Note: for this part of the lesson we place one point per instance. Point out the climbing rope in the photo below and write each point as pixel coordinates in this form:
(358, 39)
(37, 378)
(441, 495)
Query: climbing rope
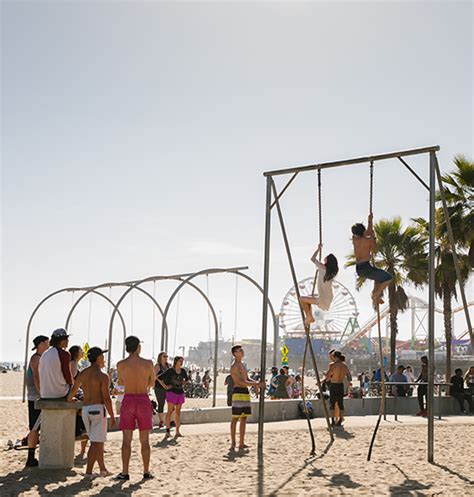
(320, 228)
(382, 368)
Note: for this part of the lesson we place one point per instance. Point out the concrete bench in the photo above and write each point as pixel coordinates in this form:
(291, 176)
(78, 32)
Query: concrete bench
(57, 436)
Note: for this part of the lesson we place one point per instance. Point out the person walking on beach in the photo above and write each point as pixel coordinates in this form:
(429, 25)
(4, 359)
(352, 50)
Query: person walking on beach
(423, 387)
(336, 373)
(161, 367)
(174, 381)
(41, 344)
(137, 375)
(96, 401)
(241, 407)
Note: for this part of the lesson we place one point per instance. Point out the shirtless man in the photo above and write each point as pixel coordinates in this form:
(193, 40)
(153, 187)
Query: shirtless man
(364, 246)
(95, 385)
(336, 374)
(137, 375)
(240, 397)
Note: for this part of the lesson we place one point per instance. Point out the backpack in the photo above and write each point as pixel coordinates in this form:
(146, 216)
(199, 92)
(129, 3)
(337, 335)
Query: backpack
(309, 408)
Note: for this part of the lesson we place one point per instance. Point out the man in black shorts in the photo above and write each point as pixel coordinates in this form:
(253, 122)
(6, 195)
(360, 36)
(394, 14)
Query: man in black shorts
(364, 247)
(336, 373)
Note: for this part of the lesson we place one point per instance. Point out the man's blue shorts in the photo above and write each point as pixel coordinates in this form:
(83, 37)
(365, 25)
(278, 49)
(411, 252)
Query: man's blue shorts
(366, 270)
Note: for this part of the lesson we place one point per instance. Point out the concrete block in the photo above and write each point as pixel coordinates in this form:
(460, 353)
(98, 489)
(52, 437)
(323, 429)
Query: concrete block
(57, 436)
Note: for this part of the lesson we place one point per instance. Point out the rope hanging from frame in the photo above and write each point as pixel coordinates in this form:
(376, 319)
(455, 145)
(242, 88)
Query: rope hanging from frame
(382, 368)
(320, 215)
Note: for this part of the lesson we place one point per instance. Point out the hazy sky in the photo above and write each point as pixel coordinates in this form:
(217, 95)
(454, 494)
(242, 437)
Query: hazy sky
(135, 134)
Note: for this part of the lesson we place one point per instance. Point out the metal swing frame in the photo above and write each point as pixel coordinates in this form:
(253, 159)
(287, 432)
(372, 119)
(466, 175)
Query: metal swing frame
(273, 199)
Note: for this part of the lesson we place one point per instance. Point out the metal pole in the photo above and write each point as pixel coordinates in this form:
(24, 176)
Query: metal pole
(453, 249)
(431, 310)
(295, 283)
(263, 346)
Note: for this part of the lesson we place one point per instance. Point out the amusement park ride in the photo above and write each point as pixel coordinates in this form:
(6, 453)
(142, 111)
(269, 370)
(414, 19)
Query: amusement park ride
(340, 324)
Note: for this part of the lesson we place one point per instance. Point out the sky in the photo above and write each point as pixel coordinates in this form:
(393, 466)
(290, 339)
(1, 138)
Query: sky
(135, 135)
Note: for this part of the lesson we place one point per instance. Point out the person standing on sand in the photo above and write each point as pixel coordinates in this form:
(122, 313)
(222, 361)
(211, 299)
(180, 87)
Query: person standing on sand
(137, 376)
(41, 344)
(423, 387)
(77, 354)
(241, 407)
(161, 367)
(96, 401)
(336, 373)
(173, 381)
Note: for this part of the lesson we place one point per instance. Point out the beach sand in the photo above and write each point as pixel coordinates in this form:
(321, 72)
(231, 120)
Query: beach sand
(200, 463)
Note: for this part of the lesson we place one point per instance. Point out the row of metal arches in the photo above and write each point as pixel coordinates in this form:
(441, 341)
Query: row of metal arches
(184, 281)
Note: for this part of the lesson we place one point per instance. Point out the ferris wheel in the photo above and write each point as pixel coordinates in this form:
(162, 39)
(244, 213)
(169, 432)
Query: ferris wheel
(330, 323)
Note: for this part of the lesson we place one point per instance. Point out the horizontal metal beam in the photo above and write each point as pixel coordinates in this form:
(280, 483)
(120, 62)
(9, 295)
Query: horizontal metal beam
(358, 160)
(160, 278)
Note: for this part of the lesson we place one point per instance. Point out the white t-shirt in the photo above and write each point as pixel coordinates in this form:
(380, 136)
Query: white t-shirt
(325, 294)
(52, 382)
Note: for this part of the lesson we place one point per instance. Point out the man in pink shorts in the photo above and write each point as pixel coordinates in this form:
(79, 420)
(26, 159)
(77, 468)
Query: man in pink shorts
(137, 376)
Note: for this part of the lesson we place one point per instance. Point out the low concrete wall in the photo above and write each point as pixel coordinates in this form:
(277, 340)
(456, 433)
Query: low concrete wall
(281, 410)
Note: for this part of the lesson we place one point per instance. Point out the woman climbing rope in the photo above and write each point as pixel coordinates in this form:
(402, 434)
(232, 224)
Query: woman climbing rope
(326, 272)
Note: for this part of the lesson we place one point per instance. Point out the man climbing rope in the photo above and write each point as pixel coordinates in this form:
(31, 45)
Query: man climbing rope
(365, 247)
(327, 271)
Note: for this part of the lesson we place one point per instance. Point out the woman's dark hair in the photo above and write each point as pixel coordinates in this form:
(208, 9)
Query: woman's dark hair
(332, 267)
(358, 229)
(160, 355)
(74, 351)
(176, 359)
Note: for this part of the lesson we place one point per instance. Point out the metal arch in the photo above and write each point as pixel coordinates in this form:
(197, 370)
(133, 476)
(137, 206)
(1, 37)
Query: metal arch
(276, 333)
(186, 281)
(92, 290)
(216, 339)
(36, 309)
(111, 302)
(164, 322)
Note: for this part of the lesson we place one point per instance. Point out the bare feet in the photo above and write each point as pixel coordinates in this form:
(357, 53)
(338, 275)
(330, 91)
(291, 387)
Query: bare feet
(308, 320)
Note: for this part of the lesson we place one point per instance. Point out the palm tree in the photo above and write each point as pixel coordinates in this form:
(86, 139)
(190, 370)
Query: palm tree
(445, 276)
(459, 191)
(400, 252)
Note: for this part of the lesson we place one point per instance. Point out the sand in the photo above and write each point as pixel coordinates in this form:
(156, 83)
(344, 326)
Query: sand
(200, 464)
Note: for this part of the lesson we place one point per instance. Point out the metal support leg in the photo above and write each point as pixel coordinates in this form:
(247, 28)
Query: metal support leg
(263, 349)
(431, 310)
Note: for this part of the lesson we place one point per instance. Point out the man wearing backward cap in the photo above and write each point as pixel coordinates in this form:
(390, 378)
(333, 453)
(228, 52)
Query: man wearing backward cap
(95, 385)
